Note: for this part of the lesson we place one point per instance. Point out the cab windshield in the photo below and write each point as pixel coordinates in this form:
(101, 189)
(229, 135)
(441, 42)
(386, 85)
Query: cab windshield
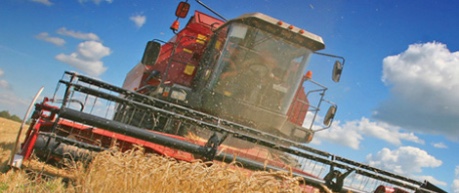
(255, 67)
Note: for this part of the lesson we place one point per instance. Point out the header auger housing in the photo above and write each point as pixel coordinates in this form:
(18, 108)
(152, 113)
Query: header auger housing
(219, 91)
(82, 124)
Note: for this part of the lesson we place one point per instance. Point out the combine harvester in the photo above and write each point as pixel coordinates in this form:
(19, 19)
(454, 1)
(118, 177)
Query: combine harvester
(220, 90)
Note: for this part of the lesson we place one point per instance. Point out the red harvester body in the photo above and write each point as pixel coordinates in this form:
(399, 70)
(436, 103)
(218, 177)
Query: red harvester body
(218, 90)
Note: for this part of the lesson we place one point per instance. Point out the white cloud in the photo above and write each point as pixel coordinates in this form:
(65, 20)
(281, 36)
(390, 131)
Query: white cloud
(47, 38)
(97, 2)
(424, 87)
(3, 83)
(8, 100)
(139, 20)
(351, 133)
(439, 145)
(455, 185)
(386, 132)
(405, 160)
(44, 2)
(78, 35)
(87, 57)
(341, 135)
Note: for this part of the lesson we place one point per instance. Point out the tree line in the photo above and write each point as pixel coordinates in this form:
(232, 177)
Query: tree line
(7, 115)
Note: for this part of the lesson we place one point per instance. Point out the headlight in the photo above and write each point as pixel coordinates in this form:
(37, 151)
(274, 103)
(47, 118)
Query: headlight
(179, 95)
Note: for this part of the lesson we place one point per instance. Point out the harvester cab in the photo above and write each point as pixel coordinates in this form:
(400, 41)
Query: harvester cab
(249, 70)
(220, 90)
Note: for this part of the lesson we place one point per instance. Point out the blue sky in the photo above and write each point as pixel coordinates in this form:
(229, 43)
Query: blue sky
(398, 96)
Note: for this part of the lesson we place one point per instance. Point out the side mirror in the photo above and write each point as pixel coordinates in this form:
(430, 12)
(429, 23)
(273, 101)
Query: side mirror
(337, 69)
(151, 53)
(182, 9)
(330, 115)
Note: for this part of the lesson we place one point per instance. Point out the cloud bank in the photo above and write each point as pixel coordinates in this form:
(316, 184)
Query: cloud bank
(351, 133)
(3, 83)
(47, 38)
(138, 20)
(78, 35)
(88, 54)
(440, 145)
(44, 2)
(87, 57)
(406, 161)
(424, 90)
(455, 185)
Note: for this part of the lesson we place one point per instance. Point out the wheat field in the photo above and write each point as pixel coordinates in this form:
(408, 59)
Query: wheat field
(134, 171)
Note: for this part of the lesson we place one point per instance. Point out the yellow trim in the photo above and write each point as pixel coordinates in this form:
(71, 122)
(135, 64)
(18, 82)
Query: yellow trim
(227, 93)
(187, 51)
(201, 39)
(218, 45)
(189, 69)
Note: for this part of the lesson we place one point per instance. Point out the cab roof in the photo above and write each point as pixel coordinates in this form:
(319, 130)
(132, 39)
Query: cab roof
(282, 29)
